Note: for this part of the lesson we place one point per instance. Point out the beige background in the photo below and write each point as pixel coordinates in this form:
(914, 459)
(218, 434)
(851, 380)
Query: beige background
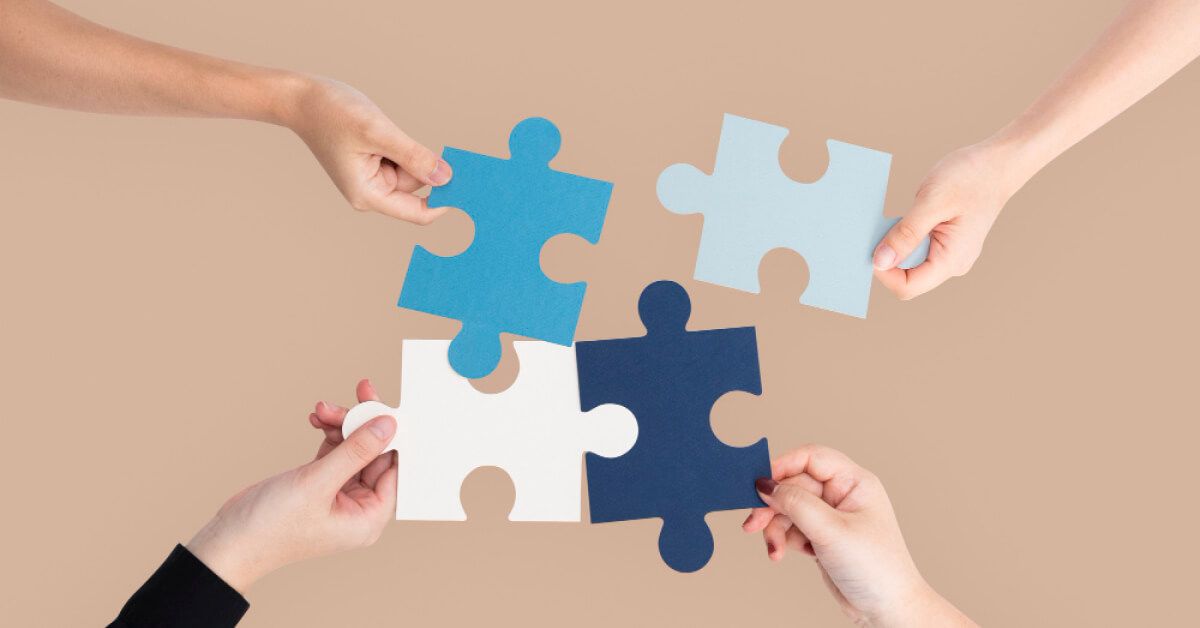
(177, 293)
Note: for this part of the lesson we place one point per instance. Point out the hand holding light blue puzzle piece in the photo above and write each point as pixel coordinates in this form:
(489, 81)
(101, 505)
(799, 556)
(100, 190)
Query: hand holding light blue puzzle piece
(751, 207)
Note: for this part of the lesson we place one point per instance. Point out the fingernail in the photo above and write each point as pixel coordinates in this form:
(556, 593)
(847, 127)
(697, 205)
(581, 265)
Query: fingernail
(441, 173)
(766, 486)
(382, 427)
(770, 549)
(747, 520)
(885, 257)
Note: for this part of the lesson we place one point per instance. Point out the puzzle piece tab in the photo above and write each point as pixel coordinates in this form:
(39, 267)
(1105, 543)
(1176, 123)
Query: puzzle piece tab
(497, 284)
(750, 207)
(534, 431)
(677, 470)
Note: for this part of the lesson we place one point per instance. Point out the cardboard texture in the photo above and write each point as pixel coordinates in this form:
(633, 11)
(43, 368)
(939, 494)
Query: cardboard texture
(534, 431)
(677, 470)
(497, 284)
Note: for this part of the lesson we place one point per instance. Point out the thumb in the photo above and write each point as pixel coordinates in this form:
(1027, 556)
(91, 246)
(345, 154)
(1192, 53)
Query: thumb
(906, 235)
(356, 452)
(808, 512)
(417, 160)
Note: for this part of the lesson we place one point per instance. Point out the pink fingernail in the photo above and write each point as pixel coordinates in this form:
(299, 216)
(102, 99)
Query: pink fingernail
(382, 427)
(440, 174)
(885, 257)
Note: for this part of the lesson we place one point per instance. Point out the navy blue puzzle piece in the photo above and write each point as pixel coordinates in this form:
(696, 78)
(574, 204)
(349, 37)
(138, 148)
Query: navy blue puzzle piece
(677, 470)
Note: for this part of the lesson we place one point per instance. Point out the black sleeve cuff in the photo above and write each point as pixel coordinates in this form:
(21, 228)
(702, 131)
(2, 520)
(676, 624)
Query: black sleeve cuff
(183, 593)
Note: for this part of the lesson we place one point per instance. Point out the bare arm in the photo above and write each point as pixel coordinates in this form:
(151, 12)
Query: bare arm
(961, 197)
(1148, 43)
(50, 56)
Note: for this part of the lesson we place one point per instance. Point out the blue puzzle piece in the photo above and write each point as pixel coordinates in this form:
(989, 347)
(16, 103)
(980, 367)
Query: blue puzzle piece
(497, 284)
(750, 207)
(677, 469)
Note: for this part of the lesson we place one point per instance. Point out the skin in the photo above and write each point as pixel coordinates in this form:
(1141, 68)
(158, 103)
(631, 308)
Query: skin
(340, 501)
(50, 56)
(963, 194)
(822, 504)
(819, 501)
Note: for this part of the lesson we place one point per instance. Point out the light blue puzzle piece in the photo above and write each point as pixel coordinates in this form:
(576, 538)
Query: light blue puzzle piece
(497, 284)
(751, 207)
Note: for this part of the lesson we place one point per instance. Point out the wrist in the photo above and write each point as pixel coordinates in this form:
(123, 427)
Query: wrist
(1017, 154)
(224, 556)
(283, 93)
(921, 607)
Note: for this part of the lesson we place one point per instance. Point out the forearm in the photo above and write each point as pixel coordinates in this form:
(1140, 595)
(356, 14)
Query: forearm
(1149, 42)
(53, 57)
(183, 592)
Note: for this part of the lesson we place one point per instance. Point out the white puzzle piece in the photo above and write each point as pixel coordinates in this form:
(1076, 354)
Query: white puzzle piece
(534, 431)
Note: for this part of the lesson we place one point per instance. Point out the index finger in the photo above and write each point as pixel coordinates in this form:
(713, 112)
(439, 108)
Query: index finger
(365, 391)
(821, 462)
(833, 469)
(913, 282)
(761, 516)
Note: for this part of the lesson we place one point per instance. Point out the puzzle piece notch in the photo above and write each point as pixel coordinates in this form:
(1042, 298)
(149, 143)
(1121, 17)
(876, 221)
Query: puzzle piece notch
(497, 285)
(534, 431)
(751, 207)
(678, 469)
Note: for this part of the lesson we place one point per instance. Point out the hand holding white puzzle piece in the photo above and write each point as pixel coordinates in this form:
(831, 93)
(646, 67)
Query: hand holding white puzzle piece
(534, 431)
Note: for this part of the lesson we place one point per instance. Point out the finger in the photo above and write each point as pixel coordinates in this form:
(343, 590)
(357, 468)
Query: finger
(333, 438)
(797, 542)
(758, 520)
(760, 517)
(907, 284)
(906, 235)
(371, 474)
(329, 415)
(330, 418)
(416, 159)
(834, 470)
(356, 452)
(816, 519)
(365, 391)
(402, 205)
(385, 489)
(808, 483)
(775, 534)
(819, 462)
(399, 177)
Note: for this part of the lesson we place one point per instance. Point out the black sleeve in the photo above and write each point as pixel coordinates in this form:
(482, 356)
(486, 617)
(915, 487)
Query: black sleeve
(183, 593)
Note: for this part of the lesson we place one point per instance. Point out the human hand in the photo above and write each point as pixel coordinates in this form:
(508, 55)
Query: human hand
(823, 504)
(371, 161)
(341, 500)
(955, 206)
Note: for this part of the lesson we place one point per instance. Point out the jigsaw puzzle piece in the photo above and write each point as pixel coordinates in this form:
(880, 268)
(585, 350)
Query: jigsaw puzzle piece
(497, 284)
(677, 470)
(534, 431)
(751, 207)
